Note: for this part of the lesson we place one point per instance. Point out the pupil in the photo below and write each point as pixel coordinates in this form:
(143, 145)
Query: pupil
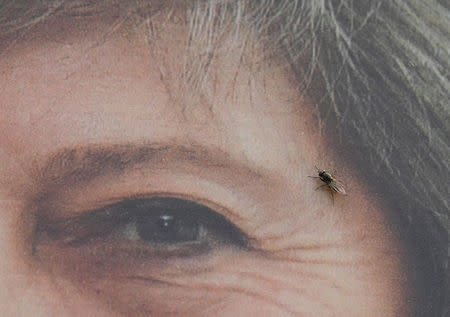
(167, 227)
(165, 222)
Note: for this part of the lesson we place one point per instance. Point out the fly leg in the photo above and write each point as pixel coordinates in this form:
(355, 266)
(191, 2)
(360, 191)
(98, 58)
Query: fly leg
(321, 186)
(331, 192)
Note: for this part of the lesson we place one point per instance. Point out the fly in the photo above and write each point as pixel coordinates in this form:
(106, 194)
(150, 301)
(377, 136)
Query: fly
(330, 181)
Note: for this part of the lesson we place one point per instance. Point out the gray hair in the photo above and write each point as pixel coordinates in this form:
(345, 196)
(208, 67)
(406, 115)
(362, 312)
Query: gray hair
(384, 71)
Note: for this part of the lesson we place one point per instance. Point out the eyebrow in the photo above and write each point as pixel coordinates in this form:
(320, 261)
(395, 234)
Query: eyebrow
(82, 164)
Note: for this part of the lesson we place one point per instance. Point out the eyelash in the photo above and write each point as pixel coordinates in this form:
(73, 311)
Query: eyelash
(157, 223)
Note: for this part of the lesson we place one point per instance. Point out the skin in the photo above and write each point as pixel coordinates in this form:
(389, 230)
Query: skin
(257, 139)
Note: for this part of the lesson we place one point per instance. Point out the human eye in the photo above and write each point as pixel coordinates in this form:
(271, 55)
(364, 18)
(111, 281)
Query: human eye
(148, 227)
(157, 223)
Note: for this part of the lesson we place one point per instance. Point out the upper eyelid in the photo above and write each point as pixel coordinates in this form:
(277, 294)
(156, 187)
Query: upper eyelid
(73, 169)
(85, 163)
(237, 188)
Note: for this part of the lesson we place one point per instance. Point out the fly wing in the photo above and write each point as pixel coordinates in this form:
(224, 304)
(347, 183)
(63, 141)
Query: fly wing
(338, 187)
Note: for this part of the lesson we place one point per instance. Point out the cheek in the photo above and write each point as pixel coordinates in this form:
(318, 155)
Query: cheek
(222, 283)
(228, 283)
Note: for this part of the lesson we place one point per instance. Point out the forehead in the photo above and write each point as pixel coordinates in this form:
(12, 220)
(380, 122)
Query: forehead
(62, 88)
(190, 64)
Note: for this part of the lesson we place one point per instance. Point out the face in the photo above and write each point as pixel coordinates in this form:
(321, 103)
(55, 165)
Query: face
(123, 192)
